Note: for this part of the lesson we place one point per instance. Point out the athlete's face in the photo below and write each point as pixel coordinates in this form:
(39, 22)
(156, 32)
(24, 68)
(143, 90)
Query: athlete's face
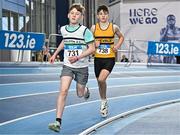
(74, 16)
(103, 16)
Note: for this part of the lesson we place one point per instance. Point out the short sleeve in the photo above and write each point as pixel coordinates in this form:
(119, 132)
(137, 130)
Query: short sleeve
(61, 30)
(88, 36)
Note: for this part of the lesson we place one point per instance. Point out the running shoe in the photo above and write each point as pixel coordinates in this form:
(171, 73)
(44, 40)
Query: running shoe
(104, 108)
(87, 94)
(55, 126)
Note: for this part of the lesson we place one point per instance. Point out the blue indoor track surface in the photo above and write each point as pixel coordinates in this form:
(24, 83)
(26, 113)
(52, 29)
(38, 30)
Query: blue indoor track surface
(28, 94)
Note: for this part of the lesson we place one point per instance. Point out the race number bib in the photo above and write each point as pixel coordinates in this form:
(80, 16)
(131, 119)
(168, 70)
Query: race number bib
(72, 50)
(103, 49)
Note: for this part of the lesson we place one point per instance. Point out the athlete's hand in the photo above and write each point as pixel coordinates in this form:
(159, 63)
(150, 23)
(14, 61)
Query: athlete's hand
(115, 48)
(97, 43)
(73, 59)
(52, 59)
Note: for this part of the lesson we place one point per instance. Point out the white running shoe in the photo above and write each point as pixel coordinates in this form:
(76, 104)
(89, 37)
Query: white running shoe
(104, 108)
(55, 126)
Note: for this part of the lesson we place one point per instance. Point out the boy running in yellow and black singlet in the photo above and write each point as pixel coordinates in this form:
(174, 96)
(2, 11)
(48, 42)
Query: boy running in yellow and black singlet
(104, 59)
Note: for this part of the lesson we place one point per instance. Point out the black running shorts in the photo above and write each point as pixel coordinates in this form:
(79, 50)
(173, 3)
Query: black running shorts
(103, 63)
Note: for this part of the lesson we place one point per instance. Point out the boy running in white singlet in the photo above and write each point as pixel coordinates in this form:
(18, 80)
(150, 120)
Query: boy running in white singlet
(78, 44)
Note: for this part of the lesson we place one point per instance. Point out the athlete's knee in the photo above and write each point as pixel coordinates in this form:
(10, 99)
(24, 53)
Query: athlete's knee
(101, 80)
(63, 93)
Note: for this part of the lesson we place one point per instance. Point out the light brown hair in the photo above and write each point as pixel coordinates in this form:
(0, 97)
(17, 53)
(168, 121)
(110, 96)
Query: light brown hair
(79, 7)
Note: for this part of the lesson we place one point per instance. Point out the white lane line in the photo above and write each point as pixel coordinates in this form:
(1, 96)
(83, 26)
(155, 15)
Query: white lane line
(34, 68)
(9, 84)
(91, 64)
(32, 74)
(22, 118)
(36, 114)
(114, 86)
(114, 72)
(60, 67)
(133, 111)
(113, 98)
(115, 78)
(28, 95)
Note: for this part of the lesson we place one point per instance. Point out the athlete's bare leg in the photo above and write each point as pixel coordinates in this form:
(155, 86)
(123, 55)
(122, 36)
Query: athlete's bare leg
(102, 83)
(65, 84)
(80, 89)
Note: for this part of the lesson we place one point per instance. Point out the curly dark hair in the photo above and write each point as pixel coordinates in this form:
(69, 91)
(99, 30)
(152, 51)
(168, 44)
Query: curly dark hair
(104, 8)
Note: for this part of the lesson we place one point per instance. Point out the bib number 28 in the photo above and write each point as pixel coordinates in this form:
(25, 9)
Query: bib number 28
(103, 49)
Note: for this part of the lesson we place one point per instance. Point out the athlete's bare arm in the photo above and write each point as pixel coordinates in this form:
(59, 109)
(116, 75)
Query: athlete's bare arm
(60, 47)
(120, 36)
(97, 43)
(88, 52)
(93, 28)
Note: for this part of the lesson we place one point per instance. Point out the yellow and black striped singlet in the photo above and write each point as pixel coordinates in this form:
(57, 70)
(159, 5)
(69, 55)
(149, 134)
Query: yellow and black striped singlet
(106, 38)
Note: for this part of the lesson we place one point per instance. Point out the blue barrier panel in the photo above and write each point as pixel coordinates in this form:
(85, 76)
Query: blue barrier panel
(163, 48)
(21, 40)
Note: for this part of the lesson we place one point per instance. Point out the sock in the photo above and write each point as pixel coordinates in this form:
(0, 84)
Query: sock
(103, 100)
(59, 120)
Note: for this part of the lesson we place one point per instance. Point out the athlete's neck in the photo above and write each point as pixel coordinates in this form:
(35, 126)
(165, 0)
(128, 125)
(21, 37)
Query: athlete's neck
(104, 25)
(74, 25)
